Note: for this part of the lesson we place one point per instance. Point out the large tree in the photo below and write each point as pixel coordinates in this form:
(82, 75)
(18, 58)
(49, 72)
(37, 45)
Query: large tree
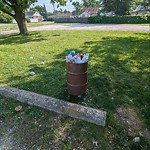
(77, 7)
(145, 4)
(85, 4)
(91, 3)
(119, 7)
(17, 8)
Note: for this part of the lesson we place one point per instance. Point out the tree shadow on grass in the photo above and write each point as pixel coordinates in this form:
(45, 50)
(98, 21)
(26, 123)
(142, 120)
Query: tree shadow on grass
(116, 65)
(49, 79)
(117, 73)
(21, 39)
(35, 127)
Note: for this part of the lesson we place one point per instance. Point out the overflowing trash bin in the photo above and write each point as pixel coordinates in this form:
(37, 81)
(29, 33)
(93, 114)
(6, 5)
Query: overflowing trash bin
(77, 73)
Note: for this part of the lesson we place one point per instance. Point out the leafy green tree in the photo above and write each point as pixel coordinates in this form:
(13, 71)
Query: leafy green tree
(119, 7)
(44, 13)
(4, 18)
(107, 5)
(17, 9)
(145, 4)
(91, 3)
(77, 7)
(85, 4)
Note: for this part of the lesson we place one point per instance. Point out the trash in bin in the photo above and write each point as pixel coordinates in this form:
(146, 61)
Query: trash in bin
(77, 73)
(74, 58)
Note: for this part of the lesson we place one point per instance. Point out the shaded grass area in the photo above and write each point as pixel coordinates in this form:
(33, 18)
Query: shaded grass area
(118, 71)
(45, 129)
(36, 128)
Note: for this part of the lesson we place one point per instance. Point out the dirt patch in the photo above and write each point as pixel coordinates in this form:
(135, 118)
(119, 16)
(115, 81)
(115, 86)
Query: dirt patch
(7, 140)
(129, 119)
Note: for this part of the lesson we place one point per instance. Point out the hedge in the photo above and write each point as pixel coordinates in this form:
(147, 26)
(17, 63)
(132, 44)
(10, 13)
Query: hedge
(120, 19)
(4, 18)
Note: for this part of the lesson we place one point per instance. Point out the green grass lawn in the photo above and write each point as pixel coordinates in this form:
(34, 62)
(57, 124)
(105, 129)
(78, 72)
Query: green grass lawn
(118, 74)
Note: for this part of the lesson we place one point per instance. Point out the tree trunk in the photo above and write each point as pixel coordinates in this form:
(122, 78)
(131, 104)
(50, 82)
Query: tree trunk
(20, 19)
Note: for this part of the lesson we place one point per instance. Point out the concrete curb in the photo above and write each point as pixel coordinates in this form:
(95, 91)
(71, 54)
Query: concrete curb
(73, 110)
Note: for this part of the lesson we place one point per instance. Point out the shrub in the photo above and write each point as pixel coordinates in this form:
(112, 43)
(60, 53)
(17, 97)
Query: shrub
(120, 19)
(4, 18)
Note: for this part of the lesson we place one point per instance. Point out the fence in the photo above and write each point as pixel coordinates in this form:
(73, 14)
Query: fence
(70, 20)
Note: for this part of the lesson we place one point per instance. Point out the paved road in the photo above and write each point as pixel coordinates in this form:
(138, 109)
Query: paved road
(109, 27)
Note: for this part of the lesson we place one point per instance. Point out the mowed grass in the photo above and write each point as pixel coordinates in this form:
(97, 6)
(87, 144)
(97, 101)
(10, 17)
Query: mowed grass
(36, 128)
(118, 74)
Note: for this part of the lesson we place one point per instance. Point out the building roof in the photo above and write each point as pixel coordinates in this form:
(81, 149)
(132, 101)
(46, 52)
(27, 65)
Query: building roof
(31, 13)
(64, 14)
(61, 15)
(91, 10)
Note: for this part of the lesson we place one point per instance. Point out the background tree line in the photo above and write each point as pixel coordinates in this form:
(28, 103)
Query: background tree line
(119, 7)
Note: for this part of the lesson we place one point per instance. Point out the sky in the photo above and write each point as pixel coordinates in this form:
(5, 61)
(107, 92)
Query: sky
(50, 8)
